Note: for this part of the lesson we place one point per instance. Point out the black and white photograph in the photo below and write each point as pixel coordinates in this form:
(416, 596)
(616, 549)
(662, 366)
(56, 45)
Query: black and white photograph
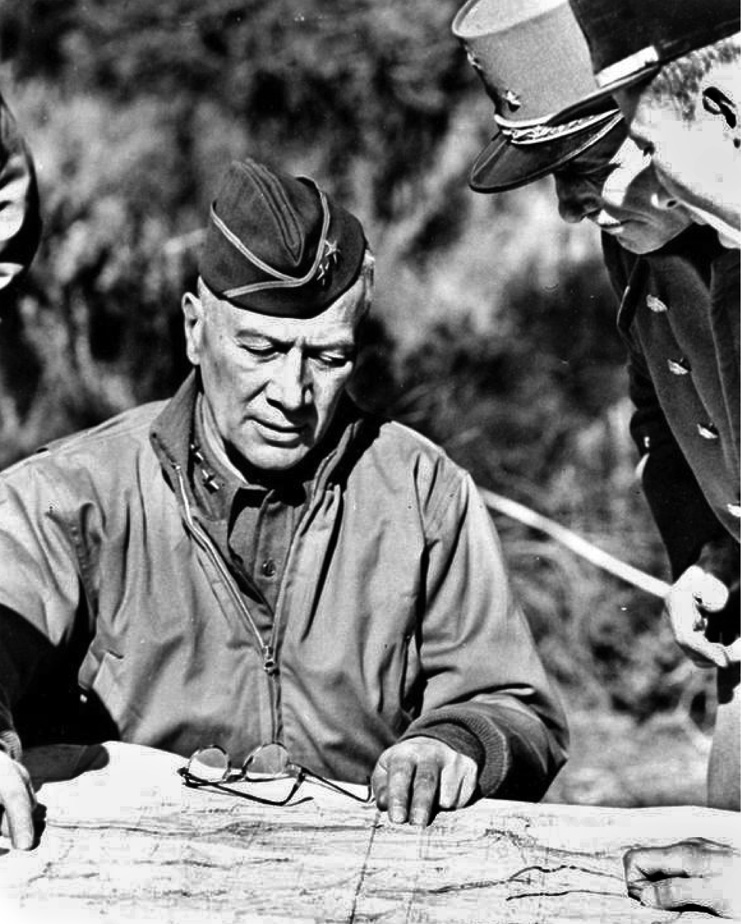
(369, 461)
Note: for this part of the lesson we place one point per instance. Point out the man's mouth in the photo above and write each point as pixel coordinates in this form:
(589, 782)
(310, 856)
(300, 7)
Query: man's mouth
(610, 224)
(280, 431)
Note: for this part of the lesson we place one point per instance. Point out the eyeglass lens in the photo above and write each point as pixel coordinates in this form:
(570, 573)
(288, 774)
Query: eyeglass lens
(268, 760)
(210, 764)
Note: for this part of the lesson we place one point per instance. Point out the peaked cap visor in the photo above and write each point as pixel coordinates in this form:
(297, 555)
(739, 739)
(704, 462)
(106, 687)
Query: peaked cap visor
(277, 245)
(533, 61)
(504, 165)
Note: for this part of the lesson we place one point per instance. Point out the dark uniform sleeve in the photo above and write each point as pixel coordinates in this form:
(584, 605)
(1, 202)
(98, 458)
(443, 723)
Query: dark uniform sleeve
(20, 221)
(39, 601)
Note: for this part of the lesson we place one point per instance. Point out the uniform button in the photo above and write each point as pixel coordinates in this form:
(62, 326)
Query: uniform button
(655, 304)
(679, 366)
(707, 431)
(268, 567)
(734, 510)
(646, 443)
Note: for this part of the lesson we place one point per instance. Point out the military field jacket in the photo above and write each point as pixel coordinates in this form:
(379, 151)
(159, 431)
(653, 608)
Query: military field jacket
(394, 613)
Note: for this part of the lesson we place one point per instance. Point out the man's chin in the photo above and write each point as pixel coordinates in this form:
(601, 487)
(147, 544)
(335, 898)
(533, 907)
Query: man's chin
(275, 459)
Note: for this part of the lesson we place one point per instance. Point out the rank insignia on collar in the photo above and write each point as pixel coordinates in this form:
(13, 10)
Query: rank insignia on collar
(330, 258)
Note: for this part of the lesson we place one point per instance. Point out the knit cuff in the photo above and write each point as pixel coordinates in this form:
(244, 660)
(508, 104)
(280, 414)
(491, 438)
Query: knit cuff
(470, 734)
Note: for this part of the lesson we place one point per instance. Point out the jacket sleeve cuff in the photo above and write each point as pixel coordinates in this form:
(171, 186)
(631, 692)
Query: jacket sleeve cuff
(471, 735)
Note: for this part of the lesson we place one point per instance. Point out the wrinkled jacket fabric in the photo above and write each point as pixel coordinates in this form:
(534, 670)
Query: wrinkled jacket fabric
(394, 613)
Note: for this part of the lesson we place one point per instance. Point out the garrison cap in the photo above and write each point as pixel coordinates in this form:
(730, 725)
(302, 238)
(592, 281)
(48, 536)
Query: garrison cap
(630, 40)
(533, 61)
(278, 245)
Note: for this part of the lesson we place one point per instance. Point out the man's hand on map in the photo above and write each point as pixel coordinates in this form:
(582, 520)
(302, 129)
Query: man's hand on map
(17, 802)
(695, 873)
(416, 776)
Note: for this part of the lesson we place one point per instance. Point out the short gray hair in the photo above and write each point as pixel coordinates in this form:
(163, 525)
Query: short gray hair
(681, 80)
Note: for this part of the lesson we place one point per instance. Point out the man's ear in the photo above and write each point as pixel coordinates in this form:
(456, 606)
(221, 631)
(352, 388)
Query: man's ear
(193, 316)
(715, 101)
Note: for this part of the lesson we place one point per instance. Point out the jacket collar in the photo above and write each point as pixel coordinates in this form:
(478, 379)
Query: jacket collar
(172, 432)
(697, 244)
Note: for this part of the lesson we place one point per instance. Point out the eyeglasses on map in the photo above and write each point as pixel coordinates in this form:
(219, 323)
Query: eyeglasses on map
(210, 767)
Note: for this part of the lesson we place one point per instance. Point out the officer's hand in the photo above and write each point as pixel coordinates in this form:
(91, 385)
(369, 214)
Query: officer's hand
(696, 593)
(695, 872)
(17, 802)
(418, 775)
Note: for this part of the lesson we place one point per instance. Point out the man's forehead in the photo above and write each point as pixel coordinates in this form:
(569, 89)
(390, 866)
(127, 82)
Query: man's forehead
(648, 114)
(340, 318)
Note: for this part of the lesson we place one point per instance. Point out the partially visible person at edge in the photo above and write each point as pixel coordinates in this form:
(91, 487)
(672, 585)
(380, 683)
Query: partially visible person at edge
(258, 561)
(674, 71)
(674, 279)
(20, 222)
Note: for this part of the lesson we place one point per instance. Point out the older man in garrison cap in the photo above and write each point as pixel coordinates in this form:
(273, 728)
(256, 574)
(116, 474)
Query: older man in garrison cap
(260, 565)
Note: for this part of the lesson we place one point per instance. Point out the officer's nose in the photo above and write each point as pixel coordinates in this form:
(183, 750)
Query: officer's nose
(663, 198)
(289, 386)
(578, 197)
(622, 183)
(633, 182)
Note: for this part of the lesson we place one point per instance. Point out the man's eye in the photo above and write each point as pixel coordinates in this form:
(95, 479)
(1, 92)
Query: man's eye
(261, 350)
(332, 360)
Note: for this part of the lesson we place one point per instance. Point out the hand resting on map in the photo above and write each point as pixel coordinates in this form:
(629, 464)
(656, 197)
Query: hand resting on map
(694, 873)
(416, 776)
(17, 803)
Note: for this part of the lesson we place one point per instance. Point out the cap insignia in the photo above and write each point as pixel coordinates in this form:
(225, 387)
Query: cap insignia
(329, 259)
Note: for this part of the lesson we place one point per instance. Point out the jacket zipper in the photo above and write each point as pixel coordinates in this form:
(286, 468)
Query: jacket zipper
(269, 662)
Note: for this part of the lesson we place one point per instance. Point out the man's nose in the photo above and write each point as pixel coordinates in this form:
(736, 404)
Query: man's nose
(289, 386)
(663, 198)
(617, 187)
(577, 197)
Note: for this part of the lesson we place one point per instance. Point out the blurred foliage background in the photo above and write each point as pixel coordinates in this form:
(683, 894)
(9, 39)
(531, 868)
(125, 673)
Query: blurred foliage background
(494, 324)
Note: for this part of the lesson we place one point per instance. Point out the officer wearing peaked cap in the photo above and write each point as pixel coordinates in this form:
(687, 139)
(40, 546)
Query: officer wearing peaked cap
(683, 343)
(603, 177)
(257, 561)
(673, 69)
